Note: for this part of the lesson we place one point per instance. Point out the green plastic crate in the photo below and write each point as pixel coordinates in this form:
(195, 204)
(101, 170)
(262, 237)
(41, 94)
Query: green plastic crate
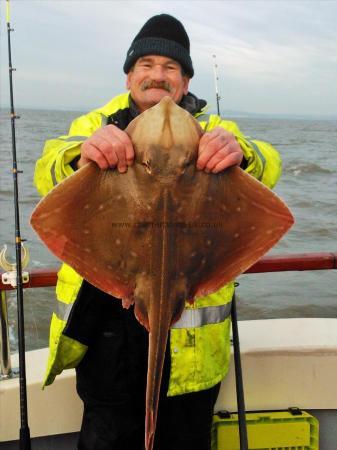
(266, 431)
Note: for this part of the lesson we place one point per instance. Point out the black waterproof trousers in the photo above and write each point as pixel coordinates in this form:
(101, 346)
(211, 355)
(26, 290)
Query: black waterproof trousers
(111, 381)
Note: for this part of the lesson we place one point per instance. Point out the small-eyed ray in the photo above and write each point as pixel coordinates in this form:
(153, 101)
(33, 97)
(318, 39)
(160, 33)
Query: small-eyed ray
(163, 232)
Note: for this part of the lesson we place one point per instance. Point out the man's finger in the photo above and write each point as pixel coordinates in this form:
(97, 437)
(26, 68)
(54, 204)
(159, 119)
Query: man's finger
(124, 139)
(129, 150)
(232, 159)
(119, 150)
(206, 153)
(205, 141)
(106, 149)
(219, 156)
(94, 154)
(121, 145)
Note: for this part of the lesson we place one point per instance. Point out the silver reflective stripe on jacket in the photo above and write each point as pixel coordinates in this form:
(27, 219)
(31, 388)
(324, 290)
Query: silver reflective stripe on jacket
(203, 118)
(73, 138)
(52, 173)
(63, 310)
(68, 139)
(190, 318)
(194, 318)
(263, 159)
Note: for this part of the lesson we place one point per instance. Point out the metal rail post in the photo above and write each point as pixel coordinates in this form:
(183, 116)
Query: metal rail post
(5, 356)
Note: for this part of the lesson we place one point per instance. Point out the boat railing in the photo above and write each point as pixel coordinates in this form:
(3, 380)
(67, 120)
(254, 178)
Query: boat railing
(39, 278)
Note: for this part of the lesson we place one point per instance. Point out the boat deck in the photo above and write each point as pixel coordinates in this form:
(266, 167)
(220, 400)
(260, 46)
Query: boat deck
(295, 366)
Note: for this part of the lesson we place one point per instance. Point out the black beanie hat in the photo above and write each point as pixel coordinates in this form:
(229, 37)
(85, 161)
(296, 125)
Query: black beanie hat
(161, 35)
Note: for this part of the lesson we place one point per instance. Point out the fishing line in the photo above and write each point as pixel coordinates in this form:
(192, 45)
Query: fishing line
(25, 443)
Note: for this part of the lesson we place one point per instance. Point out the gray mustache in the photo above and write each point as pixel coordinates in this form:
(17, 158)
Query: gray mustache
(156, 84)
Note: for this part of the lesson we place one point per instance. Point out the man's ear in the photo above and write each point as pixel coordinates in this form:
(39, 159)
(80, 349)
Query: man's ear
(186, 84)
(128, 81)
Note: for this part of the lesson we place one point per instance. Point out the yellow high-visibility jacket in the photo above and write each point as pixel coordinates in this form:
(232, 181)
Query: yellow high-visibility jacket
(199, 341)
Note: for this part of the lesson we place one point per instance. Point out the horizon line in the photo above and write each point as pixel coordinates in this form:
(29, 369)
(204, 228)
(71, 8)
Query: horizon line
(228, 112)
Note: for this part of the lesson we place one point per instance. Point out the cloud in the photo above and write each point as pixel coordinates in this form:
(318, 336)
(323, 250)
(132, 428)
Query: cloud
(270, 55)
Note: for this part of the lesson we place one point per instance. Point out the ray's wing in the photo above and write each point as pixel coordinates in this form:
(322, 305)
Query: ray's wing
(232, 221)
(214, 227)
(91, 222)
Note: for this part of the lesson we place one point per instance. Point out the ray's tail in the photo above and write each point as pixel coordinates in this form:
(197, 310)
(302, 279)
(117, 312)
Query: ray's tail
(162, 309)
(157, 347)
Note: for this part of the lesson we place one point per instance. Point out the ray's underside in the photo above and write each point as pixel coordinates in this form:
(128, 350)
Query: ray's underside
(163, 232)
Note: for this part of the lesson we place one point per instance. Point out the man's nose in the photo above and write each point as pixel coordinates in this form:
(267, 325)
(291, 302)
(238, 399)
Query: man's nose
(158, 73)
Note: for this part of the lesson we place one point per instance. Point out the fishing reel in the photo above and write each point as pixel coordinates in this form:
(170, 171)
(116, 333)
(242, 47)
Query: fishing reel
(10, 276)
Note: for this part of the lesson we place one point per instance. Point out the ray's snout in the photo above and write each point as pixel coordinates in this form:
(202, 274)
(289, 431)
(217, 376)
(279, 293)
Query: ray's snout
(167, 140)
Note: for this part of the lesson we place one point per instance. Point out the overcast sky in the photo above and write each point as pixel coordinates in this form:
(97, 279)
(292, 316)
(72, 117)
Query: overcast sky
(274, 57)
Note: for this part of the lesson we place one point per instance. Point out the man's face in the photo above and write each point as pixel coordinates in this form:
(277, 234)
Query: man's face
(154, 77)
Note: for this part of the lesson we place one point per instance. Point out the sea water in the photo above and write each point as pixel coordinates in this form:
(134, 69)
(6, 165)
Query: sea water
(308, 185)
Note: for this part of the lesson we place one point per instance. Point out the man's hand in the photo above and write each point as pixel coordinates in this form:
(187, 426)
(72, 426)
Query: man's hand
(218, 149)
(108, 147)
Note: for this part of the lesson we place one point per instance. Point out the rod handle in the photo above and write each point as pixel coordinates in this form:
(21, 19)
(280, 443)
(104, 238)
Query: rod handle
(25, 438)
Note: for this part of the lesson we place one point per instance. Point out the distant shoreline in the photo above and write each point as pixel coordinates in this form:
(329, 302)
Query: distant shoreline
(230, 114)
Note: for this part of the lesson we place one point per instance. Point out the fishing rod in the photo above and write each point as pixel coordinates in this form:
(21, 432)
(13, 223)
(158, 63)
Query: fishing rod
(238, 378)
(216, 78)
(236, 342)
(25, 443)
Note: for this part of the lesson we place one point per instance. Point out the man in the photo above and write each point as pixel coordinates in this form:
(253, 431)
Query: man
(90, 330)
